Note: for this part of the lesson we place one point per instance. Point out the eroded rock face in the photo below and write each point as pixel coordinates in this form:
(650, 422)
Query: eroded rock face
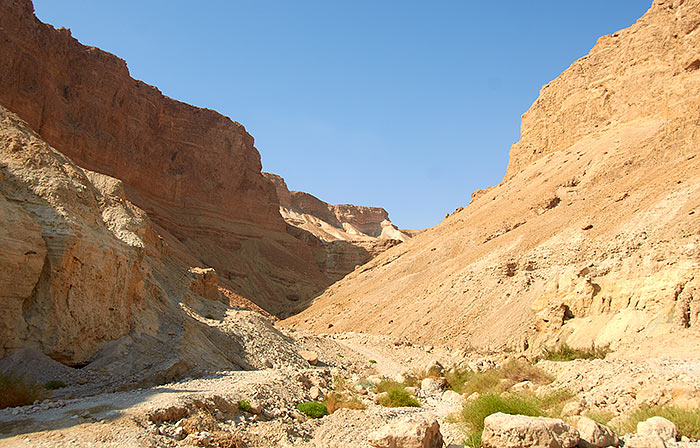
(350, 235)
(72, 252)
(591, 236)
(86, 279)
(194, 171)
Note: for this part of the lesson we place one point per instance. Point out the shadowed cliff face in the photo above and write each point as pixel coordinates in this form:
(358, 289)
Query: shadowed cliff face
(591, 237)
(194, 171)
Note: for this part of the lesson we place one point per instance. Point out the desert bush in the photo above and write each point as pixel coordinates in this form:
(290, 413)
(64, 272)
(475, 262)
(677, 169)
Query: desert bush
(244, 405)
(500, 378)
(313, 409)
(385, 384)
(397, 396)
(687, 421)
(476, 411)
(456, 379)
(337, 400)
(15, 391)
(566, 353)
(55, 384)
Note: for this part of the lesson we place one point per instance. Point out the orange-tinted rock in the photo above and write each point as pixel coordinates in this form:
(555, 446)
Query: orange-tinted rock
(195, 172)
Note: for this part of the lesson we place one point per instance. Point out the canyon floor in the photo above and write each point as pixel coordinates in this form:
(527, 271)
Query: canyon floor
(206, 411)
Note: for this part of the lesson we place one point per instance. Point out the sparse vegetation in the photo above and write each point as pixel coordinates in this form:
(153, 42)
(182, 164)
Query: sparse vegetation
(600, 417)
(398, 396)
(15, 391)
(385, 384)
(341, 397)
(313, 409)
(244, 405)
(498, 379)
(55, 384)
(372, 361)
(687, 420)
(338, 400)
(476, 411)
(564, 352)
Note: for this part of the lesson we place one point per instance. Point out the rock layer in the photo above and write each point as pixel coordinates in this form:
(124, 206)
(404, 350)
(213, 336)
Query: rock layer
(350, 234)
(592, 235)
(195, 172)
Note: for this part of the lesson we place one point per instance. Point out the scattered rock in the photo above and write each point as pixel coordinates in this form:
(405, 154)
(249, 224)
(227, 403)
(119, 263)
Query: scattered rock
(309, 356)
(642, 441)
(430, 386)
(315, 393)
(411, 432)
(658, 426)
(517, 431)
(595, 435)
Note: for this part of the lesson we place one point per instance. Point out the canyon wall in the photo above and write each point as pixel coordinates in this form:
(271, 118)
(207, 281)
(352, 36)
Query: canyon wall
(592, 235)
(195, 172)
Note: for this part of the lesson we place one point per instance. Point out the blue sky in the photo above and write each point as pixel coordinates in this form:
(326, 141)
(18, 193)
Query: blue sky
(405, 105)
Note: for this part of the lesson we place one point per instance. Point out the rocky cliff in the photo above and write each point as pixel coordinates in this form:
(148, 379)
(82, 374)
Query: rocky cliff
(86, 279)
(195, 172)
(350, 235)
(592, 235)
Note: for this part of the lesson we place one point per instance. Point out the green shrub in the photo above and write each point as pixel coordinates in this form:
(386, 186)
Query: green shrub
(55, 384)
(15, 391)
(476, 411)
(313, 409)
(372, 361)
(566, 353)
(687, 420)
(385, 384)
(397, 396)
(456, 379)
(244, 405)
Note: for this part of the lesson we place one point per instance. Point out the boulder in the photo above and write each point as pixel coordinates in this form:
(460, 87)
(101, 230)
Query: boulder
(642, 441)
(418, 431)
(595, 435)
(430, 386)
(518, 431)
(658, 426)
(309, 356)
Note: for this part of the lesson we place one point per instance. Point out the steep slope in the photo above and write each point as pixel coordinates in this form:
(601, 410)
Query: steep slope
(194, 171)
(350, 234)
(593, 234)
(86, 280)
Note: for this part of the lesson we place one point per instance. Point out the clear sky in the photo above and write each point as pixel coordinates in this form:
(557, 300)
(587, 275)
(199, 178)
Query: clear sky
(407, 105)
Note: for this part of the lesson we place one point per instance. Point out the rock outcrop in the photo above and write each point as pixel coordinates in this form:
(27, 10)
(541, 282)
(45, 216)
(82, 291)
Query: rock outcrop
(85, 278)
(195, 172)
(518, 431)
(592, 235)
(351, 235)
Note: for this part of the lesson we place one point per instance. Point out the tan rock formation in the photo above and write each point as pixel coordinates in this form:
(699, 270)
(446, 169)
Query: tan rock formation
(350, 235)
(85, 278)
(194, 171)
(591, 237)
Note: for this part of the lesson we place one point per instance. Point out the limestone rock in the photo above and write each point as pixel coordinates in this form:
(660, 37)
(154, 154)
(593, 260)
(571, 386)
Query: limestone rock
(641, 441)
(417, 431)
(658, 426)
(595, 435)
(430, 386)
(309, 356)
(517, 431)
(205, 283)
